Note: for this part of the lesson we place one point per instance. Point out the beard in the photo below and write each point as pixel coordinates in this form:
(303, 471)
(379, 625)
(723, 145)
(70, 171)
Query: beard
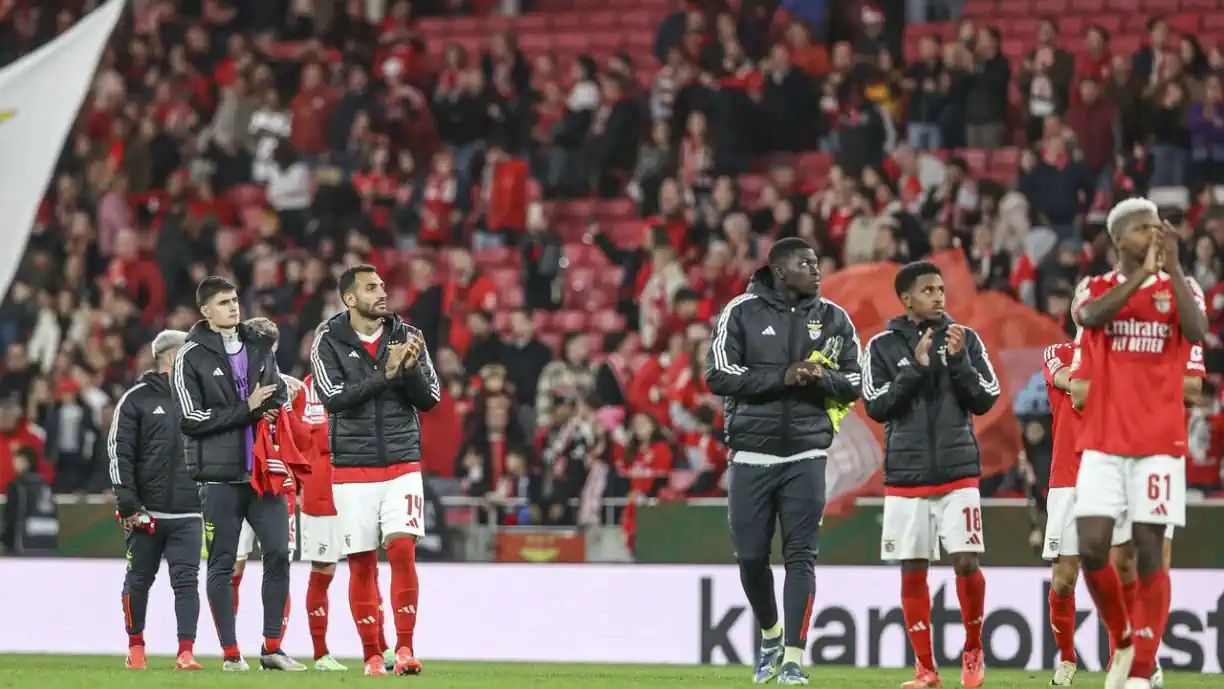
(370, 311)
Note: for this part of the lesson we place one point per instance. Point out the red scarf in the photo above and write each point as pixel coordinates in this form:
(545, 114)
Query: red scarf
(277, 457)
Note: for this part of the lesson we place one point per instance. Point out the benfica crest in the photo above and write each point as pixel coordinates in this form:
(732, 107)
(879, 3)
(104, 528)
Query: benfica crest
(1163, 301)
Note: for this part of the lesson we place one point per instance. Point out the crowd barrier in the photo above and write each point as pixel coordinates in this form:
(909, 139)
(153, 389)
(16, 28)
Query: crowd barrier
(671, 614)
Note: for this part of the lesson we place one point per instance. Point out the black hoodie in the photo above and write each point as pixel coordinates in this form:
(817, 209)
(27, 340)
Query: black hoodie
(757, 337)
(927, 411)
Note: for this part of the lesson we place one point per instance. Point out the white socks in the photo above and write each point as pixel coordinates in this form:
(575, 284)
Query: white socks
(792, 654)
(773, 632)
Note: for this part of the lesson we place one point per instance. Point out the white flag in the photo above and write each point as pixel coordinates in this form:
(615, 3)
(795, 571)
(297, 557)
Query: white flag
(40, 95)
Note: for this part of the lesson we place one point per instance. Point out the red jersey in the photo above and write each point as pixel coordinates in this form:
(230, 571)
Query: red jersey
(1064, 464)
(317, 484)
(1136, 364)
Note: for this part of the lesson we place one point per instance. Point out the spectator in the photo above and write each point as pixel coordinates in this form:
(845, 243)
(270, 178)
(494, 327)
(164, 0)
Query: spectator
(571, 375)
(1092, 120)
(525, 357)
(1146, 63)
(986, 104)
(1056, 185)
(543, 263)
(1170, 137)
(925, 102)
(1205, 122)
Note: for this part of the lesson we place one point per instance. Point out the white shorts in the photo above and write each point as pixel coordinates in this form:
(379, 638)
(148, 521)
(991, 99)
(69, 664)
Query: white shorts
(914, 527)
(369, 512)
(322, 539)
(247, 540)
(1061, 535)
(1142, 490)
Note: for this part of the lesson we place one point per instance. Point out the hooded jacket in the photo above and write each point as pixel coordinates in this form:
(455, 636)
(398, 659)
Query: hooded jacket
(215, 418)
(144, 447)
(758, 336)
(927, 411)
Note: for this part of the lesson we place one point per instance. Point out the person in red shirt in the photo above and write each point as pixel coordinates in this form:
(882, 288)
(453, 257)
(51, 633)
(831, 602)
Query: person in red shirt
(1136, 324)
(438, 212)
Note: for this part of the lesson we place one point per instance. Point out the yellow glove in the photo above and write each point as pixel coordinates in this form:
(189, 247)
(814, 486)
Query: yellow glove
(836, 410)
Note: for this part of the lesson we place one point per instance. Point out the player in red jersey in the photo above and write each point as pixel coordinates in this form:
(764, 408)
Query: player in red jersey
(1135, 324)
(1061, 541)
(375, 378)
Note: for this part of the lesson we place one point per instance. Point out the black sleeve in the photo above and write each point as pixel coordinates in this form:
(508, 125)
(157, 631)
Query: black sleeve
(885, 392)
(845, 382)
(421, 382)
(973, 378)
(198, 420)
(122, 451)
(726, 373)
(337, 392)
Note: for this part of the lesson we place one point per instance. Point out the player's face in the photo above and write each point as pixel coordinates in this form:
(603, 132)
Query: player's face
(801, 272)
(369, 296)
(1135, 241)
(926, 300)
(222, 311)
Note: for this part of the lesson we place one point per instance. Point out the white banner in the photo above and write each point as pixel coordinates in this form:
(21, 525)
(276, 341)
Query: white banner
(609, 614)
(39, 98)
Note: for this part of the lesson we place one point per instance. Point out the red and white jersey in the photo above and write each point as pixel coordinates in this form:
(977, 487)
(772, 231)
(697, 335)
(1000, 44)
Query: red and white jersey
(317, 485)
(1064, 464)
(1136, 364)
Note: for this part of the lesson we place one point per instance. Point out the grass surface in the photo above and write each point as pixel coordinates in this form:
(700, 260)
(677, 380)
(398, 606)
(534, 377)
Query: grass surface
(107, 672)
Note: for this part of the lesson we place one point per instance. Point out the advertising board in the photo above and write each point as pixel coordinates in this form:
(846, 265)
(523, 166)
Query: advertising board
(673, 614)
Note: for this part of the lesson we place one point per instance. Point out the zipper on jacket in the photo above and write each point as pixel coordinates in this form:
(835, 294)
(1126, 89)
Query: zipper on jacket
(786, 400)
(378, 424)
(932, 411)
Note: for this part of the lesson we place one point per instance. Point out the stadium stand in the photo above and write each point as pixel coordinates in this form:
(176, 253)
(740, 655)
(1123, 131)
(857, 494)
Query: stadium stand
(564, 199)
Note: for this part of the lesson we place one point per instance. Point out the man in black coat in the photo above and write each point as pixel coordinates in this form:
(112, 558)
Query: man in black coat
(925, 378)
(225, 379)
(785, 362)
(158, 503)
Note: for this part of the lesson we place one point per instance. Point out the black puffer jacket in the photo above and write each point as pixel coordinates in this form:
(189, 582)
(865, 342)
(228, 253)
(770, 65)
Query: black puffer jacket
(373, 421)
(757, 337)
(928, 411)
(215, 418)
(145, 449)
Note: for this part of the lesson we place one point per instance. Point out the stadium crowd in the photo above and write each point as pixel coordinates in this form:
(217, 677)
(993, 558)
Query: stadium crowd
(563, 230)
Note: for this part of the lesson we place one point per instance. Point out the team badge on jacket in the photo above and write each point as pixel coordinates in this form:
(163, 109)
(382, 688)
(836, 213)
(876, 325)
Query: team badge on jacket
(814, 329)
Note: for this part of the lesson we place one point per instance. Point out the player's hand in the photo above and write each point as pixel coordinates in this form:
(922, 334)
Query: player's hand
(798, 373)
(1153, 260)
(260, 395)
(395, 358)
(129, 523)
(1170, 247)
(413, 348)
(293, 386)
(956, 340)
(922, 353)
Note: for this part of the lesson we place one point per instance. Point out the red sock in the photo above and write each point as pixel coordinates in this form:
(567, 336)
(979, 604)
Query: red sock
(231, 652)
(405, 589)
(1130, 593)
(1152, 616)
(135, 640)
(382, 622)
(1106, 590)
(316, 611)
(237, 581)
(1062, 622)
(271, 645)
(916, 606)
(186, 646)
(363, 600)
(971, 591)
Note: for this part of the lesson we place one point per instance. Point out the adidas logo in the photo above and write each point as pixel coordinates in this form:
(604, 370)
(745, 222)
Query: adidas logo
(368, 620)
(354, 355)
(903, 363)
(1160, 511)
(919, 627)
(159, 410)
(317, 612)
(218, 372)
(975, 540)
(768, 331)
(410, 609)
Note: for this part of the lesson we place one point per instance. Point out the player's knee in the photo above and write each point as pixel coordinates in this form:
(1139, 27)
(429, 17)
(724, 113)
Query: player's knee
(753, 563)
(328, 568)
(965, 564)
(276, 556)
(138, 581)
(185, 578)
(1149, 547)
(362, 564)
(801, 559)
(1065, 576)
(915, 566)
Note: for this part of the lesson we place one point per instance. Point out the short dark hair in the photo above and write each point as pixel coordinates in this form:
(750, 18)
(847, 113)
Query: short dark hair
(785, 248)
(211, 286)
(349, 277)
(908, 276)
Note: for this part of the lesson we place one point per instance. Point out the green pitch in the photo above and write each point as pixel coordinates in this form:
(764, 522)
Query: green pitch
(102, 672)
